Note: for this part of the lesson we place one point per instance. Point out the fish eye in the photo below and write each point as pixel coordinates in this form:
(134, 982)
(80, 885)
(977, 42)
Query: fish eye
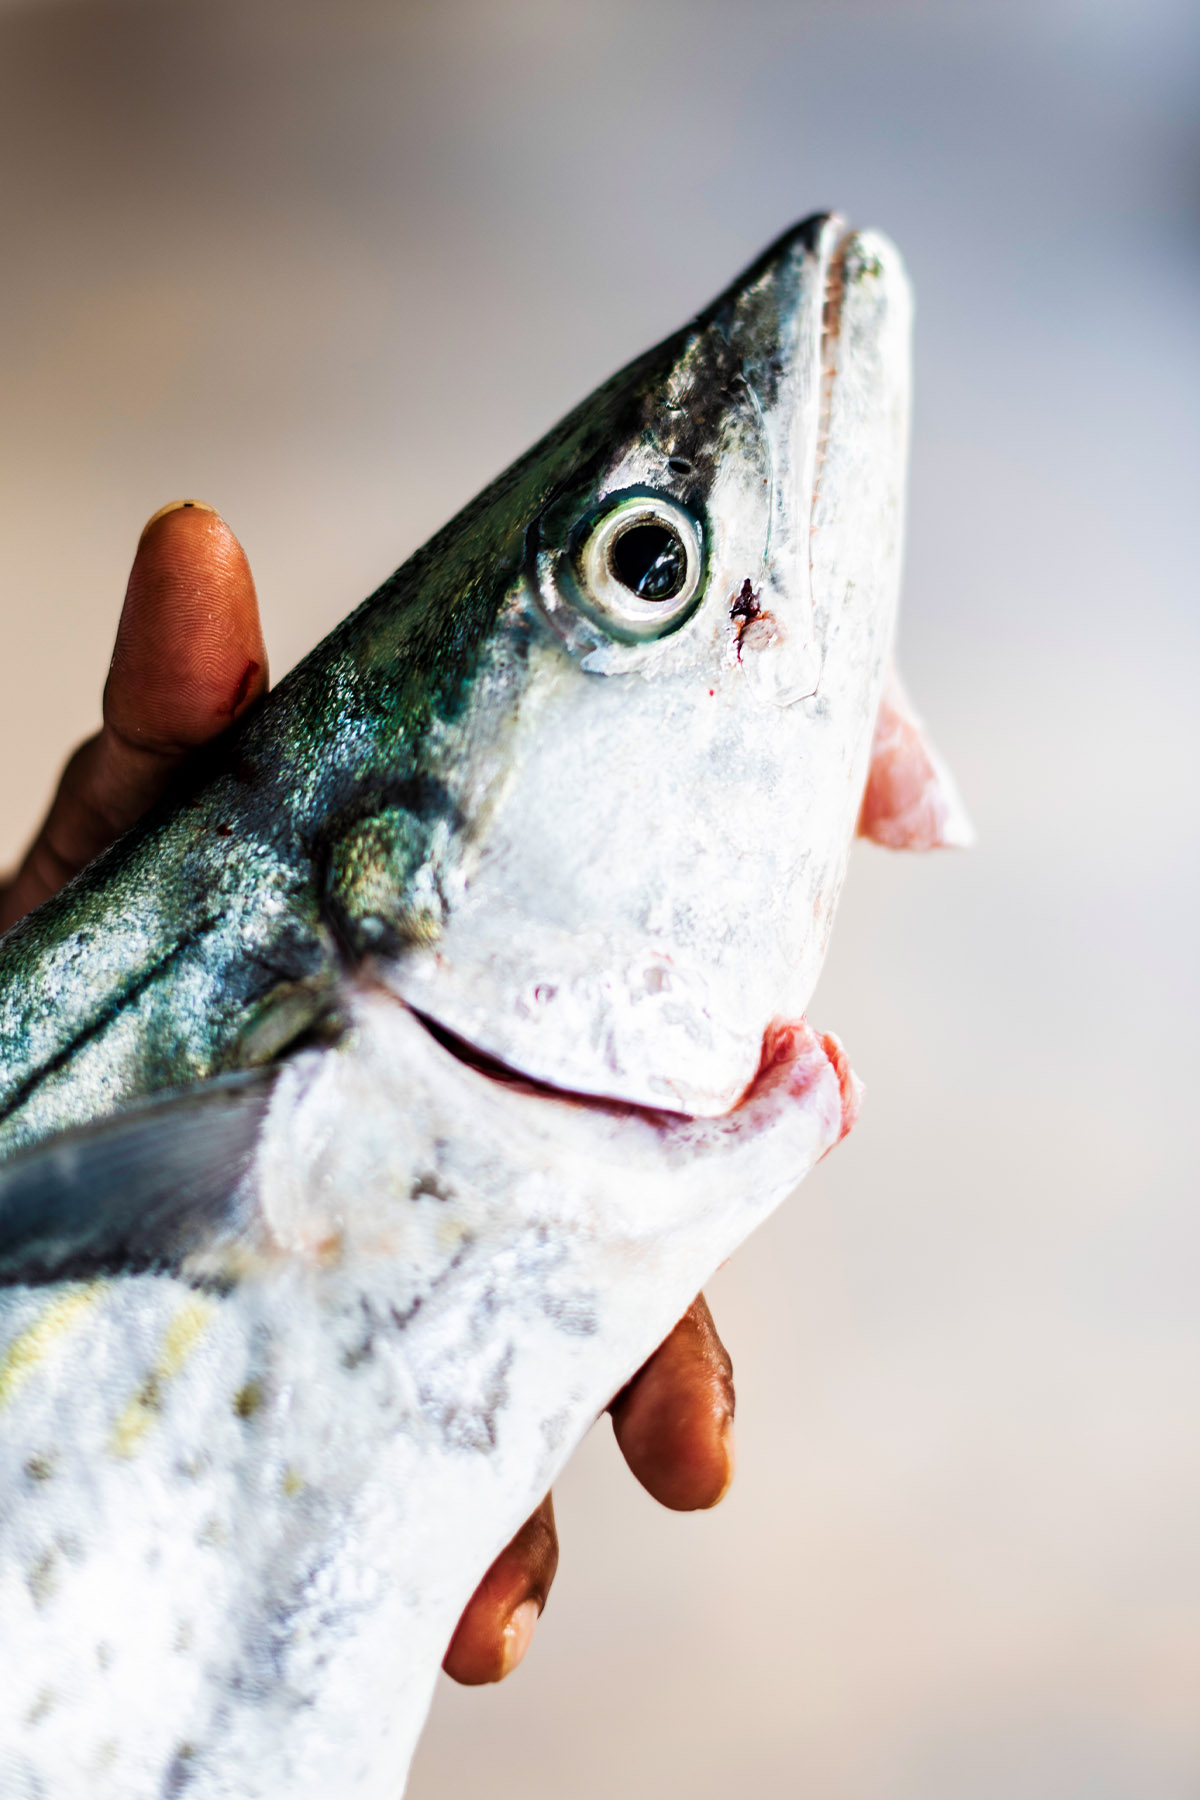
(638, 566)
(650, 561)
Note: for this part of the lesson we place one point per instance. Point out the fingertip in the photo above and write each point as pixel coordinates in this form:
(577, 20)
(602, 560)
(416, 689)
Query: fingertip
(685, 1462)
(488, 1646)
(189, 656)
(497, 1625)
(674, 1422)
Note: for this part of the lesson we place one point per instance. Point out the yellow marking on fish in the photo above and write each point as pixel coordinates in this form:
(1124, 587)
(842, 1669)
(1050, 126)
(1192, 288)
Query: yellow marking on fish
(27, 1351)
(182, 1336)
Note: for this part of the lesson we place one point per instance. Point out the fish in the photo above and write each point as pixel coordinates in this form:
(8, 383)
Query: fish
(371, 1111)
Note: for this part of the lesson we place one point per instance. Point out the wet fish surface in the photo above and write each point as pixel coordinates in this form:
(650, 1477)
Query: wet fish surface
(372, 1111)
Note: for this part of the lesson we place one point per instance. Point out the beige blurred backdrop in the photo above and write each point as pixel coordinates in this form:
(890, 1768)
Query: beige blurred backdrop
(330, 266)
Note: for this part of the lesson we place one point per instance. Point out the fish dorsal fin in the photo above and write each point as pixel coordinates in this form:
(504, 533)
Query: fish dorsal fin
(910, 801)
(159, 1184)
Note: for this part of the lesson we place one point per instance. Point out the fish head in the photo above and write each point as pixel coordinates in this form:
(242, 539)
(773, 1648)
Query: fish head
(660, 640)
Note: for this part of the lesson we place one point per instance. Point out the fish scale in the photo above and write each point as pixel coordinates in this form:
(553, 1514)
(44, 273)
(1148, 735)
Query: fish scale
(372, 1111)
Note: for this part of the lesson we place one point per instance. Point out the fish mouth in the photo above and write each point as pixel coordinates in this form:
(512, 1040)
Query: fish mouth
(506, 1075)
(785, 1044)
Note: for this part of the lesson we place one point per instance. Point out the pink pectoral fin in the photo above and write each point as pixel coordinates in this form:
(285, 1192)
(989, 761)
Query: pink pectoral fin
(910, 801)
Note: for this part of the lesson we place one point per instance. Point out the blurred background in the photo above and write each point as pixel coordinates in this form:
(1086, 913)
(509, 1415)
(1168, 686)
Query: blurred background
(330, 265)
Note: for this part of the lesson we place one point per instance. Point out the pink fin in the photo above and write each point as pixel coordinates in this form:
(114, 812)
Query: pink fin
(910, 801)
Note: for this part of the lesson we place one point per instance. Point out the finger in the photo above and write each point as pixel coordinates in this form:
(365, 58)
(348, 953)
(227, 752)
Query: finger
(496, 1629)
(674, 1421)
(189, 659)
(189, 656)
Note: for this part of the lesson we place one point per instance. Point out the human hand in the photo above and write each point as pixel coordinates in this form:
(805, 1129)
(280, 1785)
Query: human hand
(189, 660)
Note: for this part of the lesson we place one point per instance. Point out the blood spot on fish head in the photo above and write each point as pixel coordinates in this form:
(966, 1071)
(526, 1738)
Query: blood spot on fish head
(753, 628)
(745, 606)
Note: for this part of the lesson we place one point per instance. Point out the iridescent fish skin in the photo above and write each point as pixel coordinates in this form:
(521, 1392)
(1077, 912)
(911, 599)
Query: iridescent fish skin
(371, 1113)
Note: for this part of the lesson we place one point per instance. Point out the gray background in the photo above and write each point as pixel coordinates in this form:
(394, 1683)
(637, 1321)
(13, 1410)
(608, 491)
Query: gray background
(330, 266)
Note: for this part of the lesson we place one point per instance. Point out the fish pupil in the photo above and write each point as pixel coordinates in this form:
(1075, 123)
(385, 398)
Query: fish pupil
(651, 561)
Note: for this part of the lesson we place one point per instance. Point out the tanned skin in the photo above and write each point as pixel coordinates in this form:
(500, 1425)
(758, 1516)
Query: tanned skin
(189, 659)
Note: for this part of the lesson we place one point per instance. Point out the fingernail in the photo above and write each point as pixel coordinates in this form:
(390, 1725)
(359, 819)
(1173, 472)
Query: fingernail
(518, 1635)
(175, 506)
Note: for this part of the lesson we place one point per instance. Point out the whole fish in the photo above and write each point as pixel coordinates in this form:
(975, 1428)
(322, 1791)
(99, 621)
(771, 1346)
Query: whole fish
(370, 1113)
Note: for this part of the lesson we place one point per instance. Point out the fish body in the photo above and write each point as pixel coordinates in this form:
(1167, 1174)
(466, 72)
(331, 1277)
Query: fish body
(244, 1515)
(371, 1113)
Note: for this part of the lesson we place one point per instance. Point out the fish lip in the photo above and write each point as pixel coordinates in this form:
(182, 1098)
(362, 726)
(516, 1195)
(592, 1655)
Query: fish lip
(783, 1040)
